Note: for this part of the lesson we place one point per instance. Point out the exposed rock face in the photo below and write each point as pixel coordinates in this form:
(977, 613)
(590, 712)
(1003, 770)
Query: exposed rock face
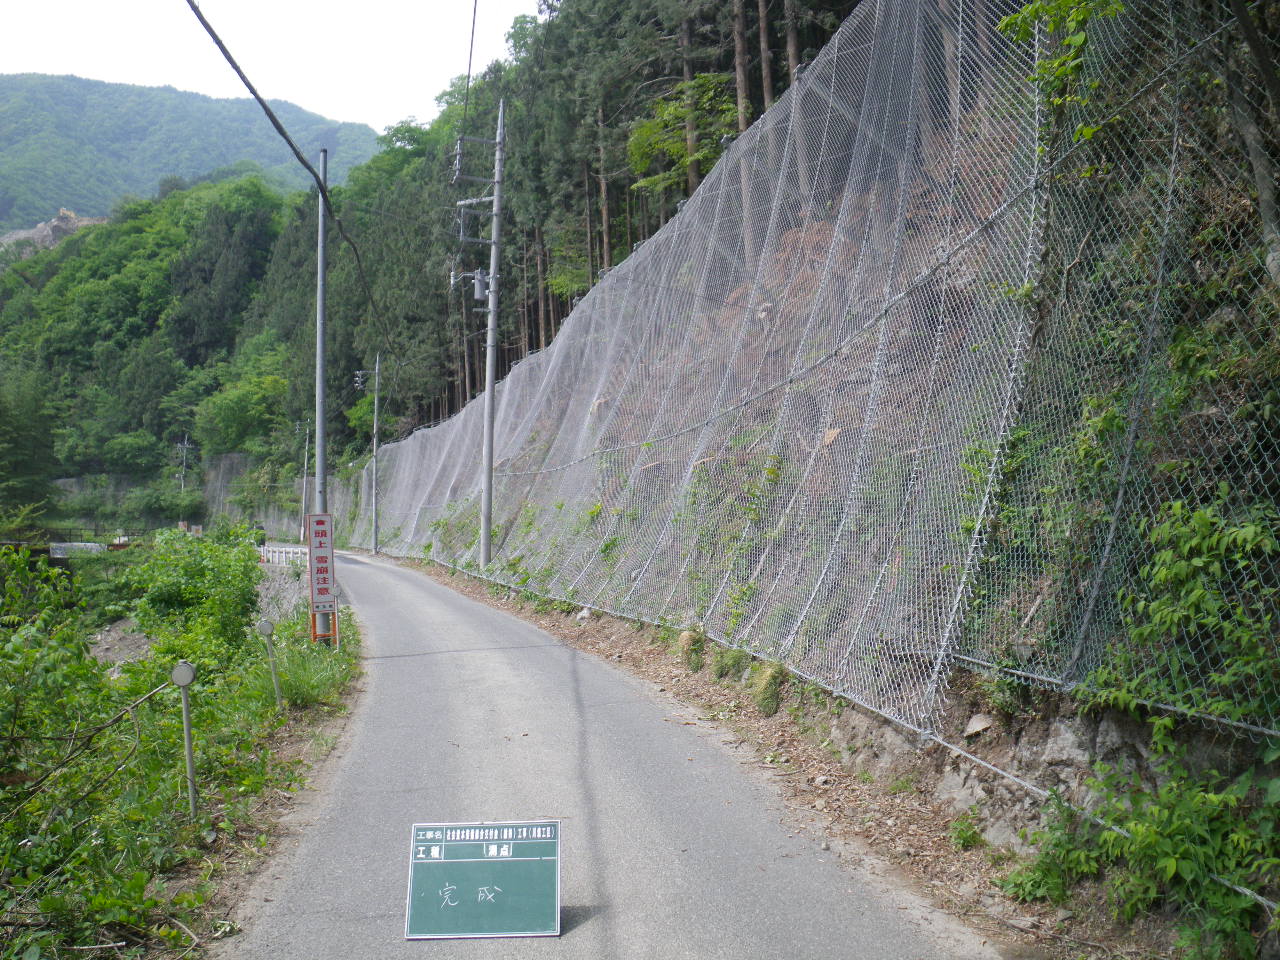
(50, 233)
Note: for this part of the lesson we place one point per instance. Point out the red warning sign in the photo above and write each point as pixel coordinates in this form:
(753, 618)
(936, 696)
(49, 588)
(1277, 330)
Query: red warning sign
(324, 583)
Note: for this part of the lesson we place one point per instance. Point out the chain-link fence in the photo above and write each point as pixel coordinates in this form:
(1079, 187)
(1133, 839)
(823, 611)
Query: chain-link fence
(966, 350)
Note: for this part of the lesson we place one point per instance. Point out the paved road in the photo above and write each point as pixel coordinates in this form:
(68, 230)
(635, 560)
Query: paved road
(672, 847)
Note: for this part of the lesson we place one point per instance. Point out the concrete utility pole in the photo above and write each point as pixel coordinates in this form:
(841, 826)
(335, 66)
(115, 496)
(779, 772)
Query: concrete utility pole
(491, 347)
(184, 446)
(322, 487)
(322, 624)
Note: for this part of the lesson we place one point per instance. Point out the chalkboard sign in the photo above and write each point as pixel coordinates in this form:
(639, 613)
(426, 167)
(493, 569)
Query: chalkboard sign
(484, 880)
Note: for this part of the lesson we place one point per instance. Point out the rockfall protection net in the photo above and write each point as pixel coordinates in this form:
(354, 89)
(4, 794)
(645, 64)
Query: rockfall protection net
(941, 363)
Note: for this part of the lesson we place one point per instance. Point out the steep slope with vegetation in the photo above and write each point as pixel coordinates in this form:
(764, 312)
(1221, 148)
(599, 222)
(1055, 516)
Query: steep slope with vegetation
(112, 344)
(199, 302)
(84, 144)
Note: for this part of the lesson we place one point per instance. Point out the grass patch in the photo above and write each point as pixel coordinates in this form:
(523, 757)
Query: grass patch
(728, 662)
(964, 832)
(902, 784)
(693, 647)
(765, 683)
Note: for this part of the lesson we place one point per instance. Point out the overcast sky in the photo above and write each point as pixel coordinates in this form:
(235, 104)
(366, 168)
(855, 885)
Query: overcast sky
(369, 61)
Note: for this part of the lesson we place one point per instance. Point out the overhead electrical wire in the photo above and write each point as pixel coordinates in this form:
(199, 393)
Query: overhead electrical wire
(375, 312)
(471, 49)
(377, 317)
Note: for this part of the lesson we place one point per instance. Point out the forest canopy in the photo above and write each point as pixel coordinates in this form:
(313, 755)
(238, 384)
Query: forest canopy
(185, 325)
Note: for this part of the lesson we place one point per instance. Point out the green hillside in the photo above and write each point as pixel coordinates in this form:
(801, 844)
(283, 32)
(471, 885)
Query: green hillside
(83, 144)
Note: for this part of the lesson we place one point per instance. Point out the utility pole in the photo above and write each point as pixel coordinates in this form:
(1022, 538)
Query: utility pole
(321, 491)
(321, 622)
(184, 446)
(491, 334)
(491, 348)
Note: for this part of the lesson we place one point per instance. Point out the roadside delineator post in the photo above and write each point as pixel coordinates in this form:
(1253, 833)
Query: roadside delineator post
(182, 674)
(267, 628)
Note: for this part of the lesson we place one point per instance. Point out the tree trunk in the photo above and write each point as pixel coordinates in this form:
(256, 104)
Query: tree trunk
(591, 253)
(740, 60)
(630, 241)
(1264, 175)
(606, 240)
(522, 350)
(542, 287)
(766, 57)
(793, 40)
(692, 175)
(1261, 57)
(465, 346)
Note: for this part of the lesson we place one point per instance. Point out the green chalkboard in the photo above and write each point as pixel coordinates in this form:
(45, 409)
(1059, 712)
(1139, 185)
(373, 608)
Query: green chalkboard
(484, 880)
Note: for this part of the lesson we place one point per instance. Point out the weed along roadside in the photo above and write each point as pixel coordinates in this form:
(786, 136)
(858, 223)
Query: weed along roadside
(98, 841)
(1012, 854)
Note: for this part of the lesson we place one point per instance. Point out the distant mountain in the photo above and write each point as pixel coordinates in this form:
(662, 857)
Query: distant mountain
(66, 142)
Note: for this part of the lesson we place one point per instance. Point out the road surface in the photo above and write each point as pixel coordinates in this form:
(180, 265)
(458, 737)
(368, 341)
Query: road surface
(672, 847)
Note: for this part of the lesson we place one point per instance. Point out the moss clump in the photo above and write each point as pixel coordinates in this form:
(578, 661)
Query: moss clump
(693, 647)
(765, 685)
(727, 662)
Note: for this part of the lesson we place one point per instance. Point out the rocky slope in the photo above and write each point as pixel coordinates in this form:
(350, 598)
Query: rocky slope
(46, 235)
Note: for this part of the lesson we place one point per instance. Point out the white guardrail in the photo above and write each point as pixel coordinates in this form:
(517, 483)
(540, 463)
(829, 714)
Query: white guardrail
(282, 556)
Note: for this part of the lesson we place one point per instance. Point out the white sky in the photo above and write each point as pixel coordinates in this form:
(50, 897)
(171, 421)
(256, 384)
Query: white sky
(370, 61)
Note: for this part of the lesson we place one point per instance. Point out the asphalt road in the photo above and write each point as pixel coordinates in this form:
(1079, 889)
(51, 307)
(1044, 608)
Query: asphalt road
(672, 847)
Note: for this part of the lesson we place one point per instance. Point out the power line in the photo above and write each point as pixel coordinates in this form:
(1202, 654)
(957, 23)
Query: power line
(471, 49)
(416, 221)
(320, 184)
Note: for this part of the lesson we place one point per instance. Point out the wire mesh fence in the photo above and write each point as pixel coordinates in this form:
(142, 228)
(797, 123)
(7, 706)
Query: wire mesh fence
(965, 352)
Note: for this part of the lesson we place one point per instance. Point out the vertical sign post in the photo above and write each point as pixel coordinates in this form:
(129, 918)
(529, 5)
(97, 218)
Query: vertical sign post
(324, 580)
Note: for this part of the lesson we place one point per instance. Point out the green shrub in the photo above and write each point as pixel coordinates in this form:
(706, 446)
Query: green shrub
(87, 755)
(310, 673)
(1169, 845)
